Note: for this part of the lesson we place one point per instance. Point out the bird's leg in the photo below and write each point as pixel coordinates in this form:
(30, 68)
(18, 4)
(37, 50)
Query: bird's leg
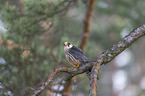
(76, 66)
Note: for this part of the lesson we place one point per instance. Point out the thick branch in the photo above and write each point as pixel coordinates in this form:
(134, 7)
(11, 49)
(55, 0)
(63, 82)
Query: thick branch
(93, 78)
(122, 45)
(111, 53)
(104, 58)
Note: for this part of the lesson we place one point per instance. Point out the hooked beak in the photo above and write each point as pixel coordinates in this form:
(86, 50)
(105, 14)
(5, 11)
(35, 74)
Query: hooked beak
(65, 44)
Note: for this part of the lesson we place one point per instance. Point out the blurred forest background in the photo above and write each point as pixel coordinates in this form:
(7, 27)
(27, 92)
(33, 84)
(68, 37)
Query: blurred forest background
(32, 33)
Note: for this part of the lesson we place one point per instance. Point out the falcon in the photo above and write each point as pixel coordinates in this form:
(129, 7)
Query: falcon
(74, 55)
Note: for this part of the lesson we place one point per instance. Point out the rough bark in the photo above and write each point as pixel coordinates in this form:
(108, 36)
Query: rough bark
(104, 58)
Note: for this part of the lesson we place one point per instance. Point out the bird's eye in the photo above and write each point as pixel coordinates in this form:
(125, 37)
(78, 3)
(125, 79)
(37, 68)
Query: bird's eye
(68, 44)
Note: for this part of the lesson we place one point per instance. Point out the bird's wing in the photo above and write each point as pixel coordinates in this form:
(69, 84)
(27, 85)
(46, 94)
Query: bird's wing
(78, 54)
(77, 49)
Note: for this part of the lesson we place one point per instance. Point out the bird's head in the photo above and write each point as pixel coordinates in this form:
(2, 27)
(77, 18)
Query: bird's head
(67, 46)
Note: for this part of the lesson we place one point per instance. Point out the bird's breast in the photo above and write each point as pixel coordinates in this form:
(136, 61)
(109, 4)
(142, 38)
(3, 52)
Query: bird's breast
(72, 59)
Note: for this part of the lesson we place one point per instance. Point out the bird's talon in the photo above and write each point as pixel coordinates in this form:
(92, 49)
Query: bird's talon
(75, 66)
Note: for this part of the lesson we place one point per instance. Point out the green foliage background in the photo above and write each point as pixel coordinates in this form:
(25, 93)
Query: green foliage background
(41, 27)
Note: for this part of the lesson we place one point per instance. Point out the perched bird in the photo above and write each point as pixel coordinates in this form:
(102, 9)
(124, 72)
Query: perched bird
(74, 55)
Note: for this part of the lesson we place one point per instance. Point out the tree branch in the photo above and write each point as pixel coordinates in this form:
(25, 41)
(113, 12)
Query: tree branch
(111, 53)
(86, 26)
(73, 72)
(104, 58)
(83, 41)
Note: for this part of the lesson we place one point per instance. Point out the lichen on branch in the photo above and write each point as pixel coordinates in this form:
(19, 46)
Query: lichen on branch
(104, 58)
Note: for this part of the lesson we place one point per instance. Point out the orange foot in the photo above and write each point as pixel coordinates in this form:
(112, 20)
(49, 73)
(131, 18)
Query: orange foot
(76, 66)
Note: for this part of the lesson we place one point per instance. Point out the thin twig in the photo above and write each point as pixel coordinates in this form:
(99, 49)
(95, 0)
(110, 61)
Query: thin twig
(69, 70)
